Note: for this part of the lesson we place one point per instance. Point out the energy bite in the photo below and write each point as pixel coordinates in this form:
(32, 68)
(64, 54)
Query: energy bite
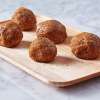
(25, 18)
(53, 30)
(42, 50)
(86, 46)
(10, 34)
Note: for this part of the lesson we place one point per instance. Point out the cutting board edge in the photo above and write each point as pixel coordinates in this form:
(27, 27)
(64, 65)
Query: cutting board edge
(43, 79)
(76, 81)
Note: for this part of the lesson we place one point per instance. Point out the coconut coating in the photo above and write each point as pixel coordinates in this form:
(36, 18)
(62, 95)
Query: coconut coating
(86, 46)
(42, 50)
(25, 18)
(53, 30)
(10, 34)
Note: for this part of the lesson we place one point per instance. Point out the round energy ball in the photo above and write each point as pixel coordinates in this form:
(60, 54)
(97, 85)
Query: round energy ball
(10, 34)
(86, 46)
(25, 18)
(42, 50)
(53, 30)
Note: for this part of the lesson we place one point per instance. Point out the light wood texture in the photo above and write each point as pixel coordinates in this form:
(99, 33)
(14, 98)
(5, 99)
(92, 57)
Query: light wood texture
(65, 70)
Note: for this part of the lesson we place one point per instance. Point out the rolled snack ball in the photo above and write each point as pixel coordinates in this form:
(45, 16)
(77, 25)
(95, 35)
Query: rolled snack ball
(53, 30)
(25, 18)
(86, 46)
(10, 34)
(42, 50)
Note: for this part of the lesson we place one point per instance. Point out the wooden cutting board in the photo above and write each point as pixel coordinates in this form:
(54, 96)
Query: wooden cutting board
(65, 70)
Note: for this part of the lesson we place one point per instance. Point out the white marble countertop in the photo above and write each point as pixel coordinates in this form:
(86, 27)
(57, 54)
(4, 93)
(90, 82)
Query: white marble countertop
(18, 85)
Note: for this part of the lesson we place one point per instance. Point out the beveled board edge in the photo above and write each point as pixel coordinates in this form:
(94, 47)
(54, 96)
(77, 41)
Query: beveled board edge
(54, 83)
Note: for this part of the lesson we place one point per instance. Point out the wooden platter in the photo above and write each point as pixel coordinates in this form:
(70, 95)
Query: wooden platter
(65, 70)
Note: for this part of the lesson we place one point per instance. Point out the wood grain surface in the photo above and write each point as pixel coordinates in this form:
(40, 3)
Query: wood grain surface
(65, 70)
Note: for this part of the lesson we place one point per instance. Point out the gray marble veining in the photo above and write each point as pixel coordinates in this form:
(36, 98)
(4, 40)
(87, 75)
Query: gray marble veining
(9, 90)
(18, 85)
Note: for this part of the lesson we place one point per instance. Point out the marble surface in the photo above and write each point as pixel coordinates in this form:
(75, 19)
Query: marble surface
(18, 85)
